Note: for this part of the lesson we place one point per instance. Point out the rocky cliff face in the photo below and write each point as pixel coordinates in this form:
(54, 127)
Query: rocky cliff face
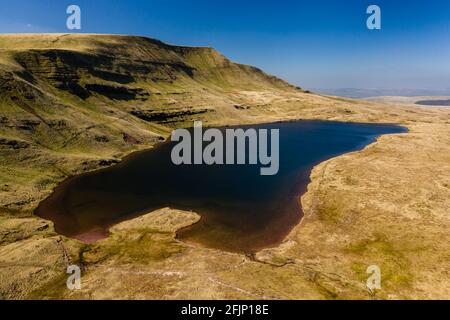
(117, 64)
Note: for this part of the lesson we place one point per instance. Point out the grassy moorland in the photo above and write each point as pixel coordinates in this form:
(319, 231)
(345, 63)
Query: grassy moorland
(75, 103)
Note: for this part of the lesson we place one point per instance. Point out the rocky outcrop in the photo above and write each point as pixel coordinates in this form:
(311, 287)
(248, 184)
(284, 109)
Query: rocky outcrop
(15, 144)
(170, 115)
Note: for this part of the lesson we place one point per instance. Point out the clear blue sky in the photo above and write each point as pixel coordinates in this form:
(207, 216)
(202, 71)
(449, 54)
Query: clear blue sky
(315, 44)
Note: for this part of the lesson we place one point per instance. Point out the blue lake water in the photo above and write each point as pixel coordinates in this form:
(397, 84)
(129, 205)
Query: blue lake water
(240, 209)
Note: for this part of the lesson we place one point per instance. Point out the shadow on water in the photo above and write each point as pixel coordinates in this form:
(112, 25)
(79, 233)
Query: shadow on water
(240, 209)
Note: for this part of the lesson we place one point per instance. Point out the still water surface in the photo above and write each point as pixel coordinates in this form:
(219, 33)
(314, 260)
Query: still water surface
(240, 209)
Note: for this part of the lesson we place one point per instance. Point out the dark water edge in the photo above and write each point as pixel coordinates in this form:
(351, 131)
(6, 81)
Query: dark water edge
(436, 103)
(240, 209)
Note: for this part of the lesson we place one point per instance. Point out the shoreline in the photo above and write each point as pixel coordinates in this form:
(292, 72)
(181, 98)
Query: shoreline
(103, 232)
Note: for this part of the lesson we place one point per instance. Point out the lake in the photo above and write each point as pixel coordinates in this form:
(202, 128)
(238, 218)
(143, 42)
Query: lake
(240, 209)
